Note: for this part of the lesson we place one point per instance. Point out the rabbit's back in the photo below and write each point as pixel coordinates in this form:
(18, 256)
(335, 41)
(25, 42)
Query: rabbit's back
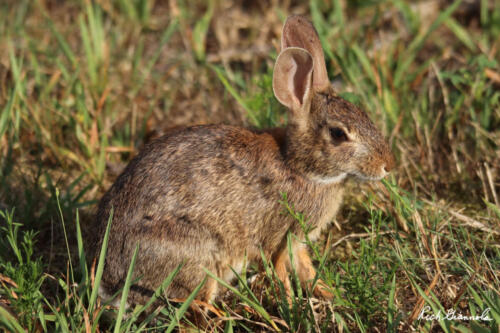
(201, 177)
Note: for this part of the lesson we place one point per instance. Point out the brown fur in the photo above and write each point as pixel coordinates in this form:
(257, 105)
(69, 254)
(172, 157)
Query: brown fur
(208, 196)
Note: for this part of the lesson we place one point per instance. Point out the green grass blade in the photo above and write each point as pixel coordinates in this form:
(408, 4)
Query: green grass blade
(493, 207)
(126, 289)
(408, 57)
(100, 265)
(72, 277)
(62, 42)
(158, 292)
(364, 61)
(167, 34)
(244, 284)
(9, 321)
(234, 93)
(81, 252)
(257, 307)
(89, 54)
(391, 323)
(59, 319)
(42, 319)
(6, 112)
(461, 33)
(180, 312)
(16, 64)
(200, 32)
(101, 160)
(129, 9)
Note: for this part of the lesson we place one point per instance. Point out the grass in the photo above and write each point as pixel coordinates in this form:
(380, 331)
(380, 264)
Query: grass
(84, 84)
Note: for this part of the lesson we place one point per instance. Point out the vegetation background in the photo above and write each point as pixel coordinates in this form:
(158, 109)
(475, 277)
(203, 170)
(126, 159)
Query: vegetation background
(84, 84)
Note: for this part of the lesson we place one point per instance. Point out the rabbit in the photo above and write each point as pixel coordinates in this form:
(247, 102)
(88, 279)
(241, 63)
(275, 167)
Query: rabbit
(207, 197)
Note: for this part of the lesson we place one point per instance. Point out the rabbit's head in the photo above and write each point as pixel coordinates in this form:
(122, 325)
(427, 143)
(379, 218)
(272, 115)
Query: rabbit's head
(328, 138)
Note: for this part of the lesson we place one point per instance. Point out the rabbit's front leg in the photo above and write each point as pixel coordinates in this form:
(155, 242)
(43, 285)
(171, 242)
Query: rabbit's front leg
(304, 268)
(307, 273)
(281, 266)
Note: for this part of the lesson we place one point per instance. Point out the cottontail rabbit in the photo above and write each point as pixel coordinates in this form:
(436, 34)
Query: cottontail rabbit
(208, 196)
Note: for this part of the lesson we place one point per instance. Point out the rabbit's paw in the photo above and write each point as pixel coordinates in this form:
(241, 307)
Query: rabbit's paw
(321, 290)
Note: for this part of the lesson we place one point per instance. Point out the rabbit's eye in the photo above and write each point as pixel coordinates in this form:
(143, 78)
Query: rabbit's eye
(338, 134)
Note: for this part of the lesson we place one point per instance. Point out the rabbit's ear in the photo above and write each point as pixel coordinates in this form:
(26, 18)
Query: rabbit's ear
(299, 32)
(292, 79)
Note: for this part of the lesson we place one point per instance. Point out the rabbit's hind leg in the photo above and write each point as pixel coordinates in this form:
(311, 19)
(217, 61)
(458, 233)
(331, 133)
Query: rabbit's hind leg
(209, 291)
(201, 306)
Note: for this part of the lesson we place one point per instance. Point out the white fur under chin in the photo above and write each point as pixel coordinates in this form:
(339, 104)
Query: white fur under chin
(329, 180)
(342, 176)
(369, 178)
